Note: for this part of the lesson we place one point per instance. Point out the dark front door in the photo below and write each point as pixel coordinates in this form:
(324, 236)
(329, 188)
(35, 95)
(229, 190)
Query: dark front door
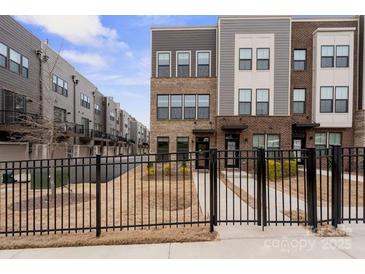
(232, 150)
(298, 145)
(202, 152)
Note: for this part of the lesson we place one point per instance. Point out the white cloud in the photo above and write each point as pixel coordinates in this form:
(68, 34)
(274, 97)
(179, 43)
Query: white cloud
(79, 30)
(159, 20)
(89, 59)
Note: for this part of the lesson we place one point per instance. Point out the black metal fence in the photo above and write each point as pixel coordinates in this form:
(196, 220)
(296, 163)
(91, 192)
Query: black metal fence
(258, 187)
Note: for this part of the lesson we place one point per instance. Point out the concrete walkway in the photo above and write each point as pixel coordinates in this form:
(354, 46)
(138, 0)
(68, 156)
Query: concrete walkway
(235, 242)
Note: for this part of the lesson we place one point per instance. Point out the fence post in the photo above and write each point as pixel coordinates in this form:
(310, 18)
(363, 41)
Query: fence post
(336, 170)
(312, 187)
(212, 187)
(98, 195)
(261, 193)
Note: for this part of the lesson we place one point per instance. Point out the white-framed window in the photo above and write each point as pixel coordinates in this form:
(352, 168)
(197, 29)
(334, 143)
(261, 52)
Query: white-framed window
(300, 56)
(85, 100)
(342, 56)
(97, 109)
(59, 85)
(262, 59)
(162, 107)
(341, 99)
(25, 67)
(326, 100)
(189, 106)
(267, 141)
(327, 139)
(299, 100)
(183, 64)
(245, 58)
(14, 61)
(327, 56)
(262, 102)
(3, 55)
(245, 101)
(334, 99)
(203, 106)
(203, 68)
(176, 107)
(163, 64)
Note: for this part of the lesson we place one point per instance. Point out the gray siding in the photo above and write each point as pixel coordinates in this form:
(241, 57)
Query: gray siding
(177, 40)
(86, 87)
(58, 66)
(18, 38)
(100, 118)
(111, 106)
(228, 29)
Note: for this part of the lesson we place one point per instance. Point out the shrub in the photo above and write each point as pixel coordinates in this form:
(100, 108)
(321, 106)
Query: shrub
(167, 170)
(150, 170)
(276, 165)
(184, 169)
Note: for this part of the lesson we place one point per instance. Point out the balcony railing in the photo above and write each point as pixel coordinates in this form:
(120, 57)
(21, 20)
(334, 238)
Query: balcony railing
(11, 117)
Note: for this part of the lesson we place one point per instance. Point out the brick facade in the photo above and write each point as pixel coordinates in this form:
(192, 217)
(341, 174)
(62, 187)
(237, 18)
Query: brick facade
(181, 128)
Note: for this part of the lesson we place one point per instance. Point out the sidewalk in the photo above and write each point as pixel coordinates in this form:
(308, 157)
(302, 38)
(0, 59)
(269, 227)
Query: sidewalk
(235, 242)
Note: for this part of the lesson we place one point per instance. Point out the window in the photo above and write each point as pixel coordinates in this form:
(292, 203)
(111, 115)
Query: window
(203, 106)
(14, 64)
(203, 64)
(19, 103)
(182, 148)
(111, 116)
(258, 141)
(183, 64)
(245, 62)
(342, 56)
(245, 99)
(97, 109)
(326, 101)
(299, 101)
(85, 101)
(341, 99)
(60, 86)
(327, 139)
(189, 107)
(327, 56)
(176, 107)
(273, 141)
(334, 138)
(59, 115)
(25, 67)
(300, 59)
(162, 148)
(3, 55)
(162, 107)
(262, 102)
(263, 59)
(163, 63)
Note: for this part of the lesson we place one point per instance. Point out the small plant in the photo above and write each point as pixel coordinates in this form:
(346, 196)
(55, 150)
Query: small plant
(278, 169)
(167, 170)
(150, 170)
(184, 169)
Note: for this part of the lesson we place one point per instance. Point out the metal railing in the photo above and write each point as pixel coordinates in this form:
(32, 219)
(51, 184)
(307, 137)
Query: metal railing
(253, 187)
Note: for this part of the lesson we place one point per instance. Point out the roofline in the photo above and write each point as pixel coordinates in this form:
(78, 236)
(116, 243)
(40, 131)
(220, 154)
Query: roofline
(183, 28)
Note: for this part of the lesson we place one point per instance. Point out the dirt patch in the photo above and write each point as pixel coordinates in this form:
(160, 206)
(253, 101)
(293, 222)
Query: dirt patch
(191, 234)
(330, 231)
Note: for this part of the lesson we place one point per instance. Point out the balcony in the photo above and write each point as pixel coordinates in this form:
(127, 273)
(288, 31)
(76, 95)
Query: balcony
(14, 117)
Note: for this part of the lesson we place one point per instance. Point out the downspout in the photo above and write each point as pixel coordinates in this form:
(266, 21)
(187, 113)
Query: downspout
(75, 82)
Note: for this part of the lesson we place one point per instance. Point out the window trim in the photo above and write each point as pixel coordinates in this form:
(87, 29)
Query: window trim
(182, 153)
(177, 64)
(347, 100)
(168, 107)
(320, 93)
(197, 107)
(157, 53)
(239, 102)
(333, 56)
(239, 59)
(6, 57)
(305, 60)
(257, 59)
(171, 107)
(327, 133)
(266, 139)
(20, 61)
(305, 101)
(158, 154)
(63, 89)
(268, 102)
(348, 56)
(196, 62)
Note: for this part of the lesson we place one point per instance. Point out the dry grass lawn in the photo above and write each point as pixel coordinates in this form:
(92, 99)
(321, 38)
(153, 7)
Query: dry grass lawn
(133, 199)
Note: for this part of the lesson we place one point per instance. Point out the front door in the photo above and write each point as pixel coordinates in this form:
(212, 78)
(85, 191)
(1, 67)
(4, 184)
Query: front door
(232, 146)
(202, 152)
(298, 145)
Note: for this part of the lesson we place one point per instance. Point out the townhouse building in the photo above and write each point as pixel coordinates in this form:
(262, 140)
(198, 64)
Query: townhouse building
(258, 81)
(38, 86)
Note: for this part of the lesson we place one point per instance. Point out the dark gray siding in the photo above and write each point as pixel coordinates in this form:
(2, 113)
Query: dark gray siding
(182, 39)
(228, 29)
(18, 38)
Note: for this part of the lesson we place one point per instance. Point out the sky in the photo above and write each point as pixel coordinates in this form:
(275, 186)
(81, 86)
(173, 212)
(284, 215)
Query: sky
(113, 52)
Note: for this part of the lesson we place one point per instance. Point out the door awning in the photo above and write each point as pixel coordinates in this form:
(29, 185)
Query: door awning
(203, 131)
(234, 127)
(305, 125)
